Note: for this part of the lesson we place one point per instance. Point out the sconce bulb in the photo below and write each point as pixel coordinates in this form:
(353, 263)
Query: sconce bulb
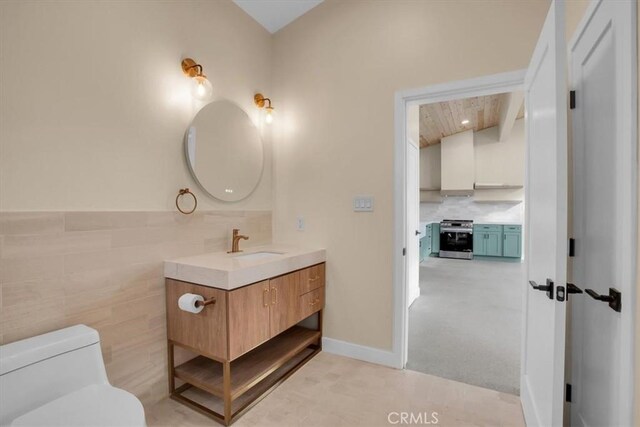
(269, 115)
(201, 88)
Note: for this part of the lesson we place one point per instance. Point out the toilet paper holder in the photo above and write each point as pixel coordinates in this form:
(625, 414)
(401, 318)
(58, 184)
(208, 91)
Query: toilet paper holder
(206, 302)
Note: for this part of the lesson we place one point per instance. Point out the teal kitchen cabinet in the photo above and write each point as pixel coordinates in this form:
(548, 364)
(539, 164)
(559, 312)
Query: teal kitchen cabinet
(512, 241)
(423, 249)
(428, 239)
(430, 242)
(435, 238)
(487, 240)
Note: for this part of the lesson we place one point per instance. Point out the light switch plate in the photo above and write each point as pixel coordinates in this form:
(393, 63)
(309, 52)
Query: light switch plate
(363, 204)
(300, 223)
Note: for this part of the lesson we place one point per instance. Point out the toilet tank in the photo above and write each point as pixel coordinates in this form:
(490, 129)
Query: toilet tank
(37, 370)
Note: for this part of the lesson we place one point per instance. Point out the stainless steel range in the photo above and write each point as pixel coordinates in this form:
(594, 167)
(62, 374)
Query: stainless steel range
(456, 239)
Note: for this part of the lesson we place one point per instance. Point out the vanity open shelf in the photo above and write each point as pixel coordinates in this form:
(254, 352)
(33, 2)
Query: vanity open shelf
(250, 369)
(246, 343)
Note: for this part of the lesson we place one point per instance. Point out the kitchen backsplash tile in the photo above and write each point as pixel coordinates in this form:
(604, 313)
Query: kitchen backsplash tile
(466, 208)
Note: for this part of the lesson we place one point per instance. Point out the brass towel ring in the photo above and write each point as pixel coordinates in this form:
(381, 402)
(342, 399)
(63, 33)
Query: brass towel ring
(181, 193)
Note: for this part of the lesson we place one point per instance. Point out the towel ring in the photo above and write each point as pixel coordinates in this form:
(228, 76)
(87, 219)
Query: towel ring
(181, 193)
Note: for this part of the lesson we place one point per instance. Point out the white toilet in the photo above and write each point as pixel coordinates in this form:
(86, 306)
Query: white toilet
(59, 379)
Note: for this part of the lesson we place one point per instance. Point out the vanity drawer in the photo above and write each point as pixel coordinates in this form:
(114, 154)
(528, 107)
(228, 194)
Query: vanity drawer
(512, 228)
(205, 332)
(311, 278)
(310, 303)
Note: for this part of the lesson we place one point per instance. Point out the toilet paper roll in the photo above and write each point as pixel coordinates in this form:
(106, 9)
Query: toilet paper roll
(187, 302)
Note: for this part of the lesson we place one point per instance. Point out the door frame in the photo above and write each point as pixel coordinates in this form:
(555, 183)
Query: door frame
(629, 211)
(479, 86)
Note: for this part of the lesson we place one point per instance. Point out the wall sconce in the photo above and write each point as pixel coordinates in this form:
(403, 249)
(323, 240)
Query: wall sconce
(260, 101)
(200, 87)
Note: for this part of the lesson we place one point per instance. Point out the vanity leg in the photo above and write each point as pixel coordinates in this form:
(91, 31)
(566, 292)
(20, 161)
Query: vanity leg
(172, 383)
(320, 319)
(226, 383)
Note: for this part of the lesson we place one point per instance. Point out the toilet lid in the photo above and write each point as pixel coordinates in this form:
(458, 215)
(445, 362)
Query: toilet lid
(96, 405)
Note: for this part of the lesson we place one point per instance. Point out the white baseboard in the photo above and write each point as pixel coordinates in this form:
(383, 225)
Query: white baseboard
(360, 352)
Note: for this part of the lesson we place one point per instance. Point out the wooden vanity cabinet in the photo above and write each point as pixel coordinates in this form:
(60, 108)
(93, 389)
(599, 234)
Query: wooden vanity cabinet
(248, 318)
(311, 278)
(204, 333)
(311, 302)
(247, 341)
(284, 310)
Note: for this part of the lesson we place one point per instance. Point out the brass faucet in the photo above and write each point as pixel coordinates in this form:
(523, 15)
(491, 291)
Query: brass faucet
(236, 241)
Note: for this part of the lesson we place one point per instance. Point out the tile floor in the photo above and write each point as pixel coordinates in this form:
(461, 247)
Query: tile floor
(337, 391)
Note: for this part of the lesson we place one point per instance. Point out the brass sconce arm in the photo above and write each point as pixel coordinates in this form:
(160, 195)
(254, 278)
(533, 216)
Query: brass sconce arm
(260, 100)
(191, 68)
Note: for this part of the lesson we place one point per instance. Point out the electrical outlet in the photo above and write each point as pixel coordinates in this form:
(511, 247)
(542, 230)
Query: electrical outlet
(300, 223)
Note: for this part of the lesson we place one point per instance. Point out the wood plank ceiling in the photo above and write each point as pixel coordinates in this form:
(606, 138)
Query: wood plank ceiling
(442, 119)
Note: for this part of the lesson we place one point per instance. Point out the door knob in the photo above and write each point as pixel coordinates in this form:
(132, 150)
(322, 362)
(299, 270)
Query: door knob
(572, 289)
(614, 298)
(548, 288)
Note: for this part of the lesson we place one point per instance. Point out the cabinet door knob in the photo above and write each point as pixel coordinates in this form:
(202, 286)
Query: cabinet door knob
(265, 297)
(274, 296)
(314, 279)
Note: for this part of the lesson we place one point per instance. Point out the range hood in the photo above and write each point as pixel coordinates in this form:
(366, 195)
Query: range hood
(457, 169)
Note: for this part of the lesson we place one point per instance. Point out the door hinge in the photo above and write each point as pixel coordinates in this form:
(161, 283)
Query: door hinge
(572, 99)
(404, 251)
(567, 393)
(572, 247)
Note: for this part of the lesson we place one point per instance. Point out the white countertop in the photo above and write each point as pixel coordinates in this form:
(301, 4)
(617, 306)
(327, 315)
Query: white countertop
(229, 271)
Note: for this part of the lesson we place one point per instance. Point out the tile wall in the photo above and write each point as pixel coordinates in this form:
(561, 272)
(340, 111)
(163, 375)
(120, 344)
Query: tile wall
(105, 270)
(467, 208)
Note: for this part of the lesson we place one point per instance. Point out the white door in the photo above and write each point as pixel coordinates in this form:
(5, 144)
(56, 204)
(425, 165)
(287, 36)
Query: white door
(603, 226)
(413, 222)
(542, 367)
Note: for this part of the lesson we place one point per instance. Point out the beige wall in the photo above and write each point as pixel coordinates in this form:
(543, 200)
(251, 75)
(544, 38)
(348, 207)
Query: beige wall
(94, 104)
(93, 109)
(336, 70)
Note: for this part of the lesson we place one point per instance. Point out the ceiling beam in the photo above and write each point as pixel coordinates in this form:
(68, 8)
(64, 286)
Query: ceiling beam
(508, 113)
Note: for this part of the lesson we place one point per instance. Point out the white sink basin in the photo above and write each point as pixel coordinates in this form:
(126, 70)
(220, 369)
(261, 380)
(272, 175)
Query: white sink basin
(259, 255)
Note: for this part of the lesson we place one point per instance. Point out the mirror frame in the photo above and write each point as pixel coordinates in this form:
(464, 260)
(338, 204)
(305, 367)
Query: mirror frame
(193, 173)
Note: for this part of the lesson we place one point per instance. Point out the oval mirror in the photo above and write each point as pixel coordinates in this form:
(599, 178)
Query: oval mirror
(224, 151)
